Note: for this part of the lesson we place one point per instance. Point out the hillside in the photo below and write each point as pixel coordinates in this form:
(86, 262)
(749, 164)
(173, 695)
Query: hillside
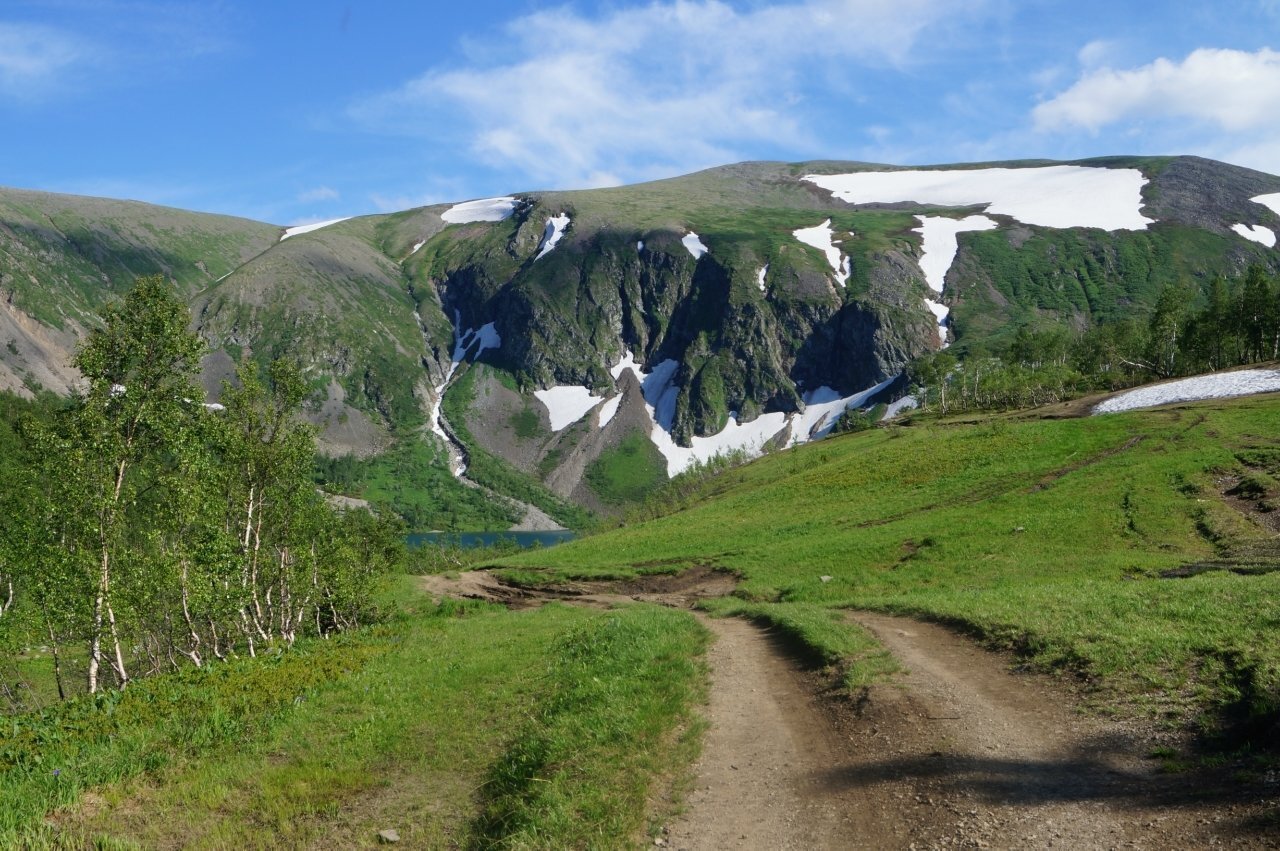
(1135, 551)
(628, 333)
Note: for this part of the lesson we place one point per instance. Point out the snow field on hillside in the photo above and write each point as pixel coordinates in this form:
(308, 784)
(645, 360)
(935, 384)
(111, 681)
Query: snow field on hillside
(938, 247)
(482, 210)
(1270, 201)
(556, 226)
(693, 243)
(939, 244)
(822, 407)
(760, 276)
(567, 404)
(296, 230)
(1062, 196)
(1220, 385)
(822, 238)
(1257, 233)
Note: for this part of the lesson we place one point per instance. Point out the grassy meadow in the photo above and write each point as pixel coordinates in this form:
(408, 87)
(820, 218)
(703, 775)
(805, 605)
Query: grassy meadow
(459, 725)
(1048, 537)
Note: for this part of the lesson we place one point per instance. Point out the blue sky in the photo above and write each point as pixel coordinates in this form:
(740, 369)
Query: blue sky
(289, 111)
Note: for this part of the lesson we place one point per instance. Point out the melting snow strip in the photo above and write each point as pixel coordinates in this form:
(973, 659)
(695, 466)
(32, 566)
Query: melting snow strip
(482, 210)
(609, 410)
(822, 238)
(301, 229)
(1220, 385)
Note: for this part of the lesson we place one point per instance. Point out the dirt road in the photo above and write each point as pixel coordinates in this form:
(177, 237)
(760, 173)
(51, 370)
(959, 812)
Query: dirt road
(958, 752)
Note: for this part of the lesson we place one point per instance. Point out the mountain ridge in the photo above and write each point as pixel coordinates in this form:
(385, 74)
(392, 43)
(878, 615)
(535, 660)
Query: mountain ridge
(753, 290)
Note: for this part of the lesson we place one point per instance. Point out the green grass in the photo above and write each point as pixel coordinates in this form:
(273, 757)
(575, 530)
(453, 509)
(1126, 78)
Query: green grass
(413, 479)
(628, 472)
(48, 758)
(1044, 537)
(462, 724)
(621, 686)
(525, 424)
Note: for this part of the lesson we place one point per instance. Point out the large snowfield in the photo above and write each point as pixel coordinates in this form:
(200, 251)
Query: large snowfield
(1060, 196)
(566, 405)
(1220, 385)
(1052, 196)
(483, 210)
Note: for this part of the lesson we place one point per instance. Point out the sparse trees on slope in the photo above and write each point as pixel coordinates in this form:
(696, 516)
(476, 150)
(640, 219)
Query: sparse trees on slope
(130, 423)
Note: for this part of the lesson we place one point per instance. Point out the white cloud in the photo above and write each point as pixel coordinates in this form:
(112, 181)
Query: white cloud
(1232, 90)
(319, 193)
(33, 58)
(641, 92)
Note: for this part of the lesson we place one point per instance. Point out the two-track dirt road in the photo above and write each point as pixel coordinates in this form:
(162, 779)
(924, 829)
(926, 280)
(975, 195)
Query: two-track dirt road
(959, 751)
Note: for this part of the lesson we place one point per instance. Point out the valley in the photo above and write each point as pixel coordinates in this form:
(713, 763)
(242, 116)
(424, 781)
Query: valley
(903, 515)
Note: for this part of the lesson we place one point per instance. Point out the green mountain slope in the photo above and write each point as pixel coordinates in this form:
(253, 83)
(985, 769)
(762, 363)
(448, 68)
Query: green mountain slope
(373, 306)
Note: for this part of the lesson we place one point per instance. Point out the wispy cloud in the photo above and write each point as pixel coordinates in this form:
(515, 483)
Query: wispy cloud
(319, 193)
(34, 59)
(570, 99)
(81, 46)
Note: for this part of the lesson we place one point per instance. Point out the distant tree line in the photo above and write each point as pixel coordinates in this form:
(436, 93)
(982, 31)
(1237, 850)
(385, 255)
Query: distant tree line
(143, 530)
(1239, 323)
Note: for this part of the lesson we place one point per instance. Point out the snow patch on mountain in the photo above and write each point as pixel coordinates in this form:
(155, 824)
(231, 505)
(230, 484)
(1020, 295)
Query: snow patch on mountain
(938, 244)
(567, 404)
(1061, 196)
(760, 276)
(609, 409)
(482, 210)
(556, 226)
(297, 230)
(822, 237)
(1219, 385)
(906, 403)
(1270, 201)
(693, 243)
(1257, 233)
(822, 408)
(938, 247)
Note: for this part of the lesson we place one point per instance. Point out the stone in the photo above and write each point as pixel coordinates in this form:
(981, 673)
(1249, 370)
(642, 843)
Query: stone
(388, 836)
